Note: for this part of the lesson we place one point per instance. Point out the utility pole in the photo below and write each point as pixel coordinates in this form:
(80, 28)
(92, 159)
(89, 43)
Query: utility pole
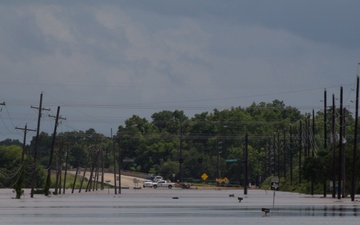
(343, 152)
(82, 179)
(274, 154)
(76, 175)
(269, 158)
(284, 149)
(103, 154)
(341, 144)
(181, 160)
(353, 176)
(113, 148)
(19, 183)
(278, 153)
(33, 180)
(219, 151)
(269, 169)
(313, 135)
(300, 150)
(119, 164)
(94, 163)
(333, 146)
(47, 185)
(25, 129)
(246, 164)
(325, 133)
(312, 149)
(291, 156)
(308, 135)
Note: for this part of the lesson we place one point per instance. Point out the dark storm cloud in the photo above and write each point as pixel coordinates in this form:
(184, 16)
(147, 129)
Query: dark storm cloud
(139, 57)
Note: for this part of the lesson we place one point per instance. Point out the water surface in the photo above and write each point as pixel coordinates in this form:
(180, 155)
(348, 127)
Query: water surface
(176, 206)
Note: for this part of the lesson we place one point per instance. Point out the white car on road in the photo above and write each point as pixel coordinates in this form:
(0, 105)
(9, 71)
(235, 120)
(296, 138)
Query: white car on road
(163, 183)
(148, 183)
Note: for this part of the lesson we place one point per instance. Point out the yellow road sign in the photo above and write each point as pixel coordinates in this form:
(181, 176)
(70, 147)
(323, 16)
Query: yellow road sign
(222, 180)
(204, 176)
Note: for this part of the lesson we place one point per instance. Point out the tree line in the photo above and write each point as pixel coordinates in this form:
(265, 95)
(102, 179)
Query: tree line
(281, 142)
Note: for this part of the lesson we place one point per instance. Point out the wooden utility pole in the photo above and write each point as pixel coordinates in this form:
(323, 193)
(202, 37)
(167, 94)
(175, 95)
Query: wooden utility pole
(308, 135)
(19, 183)
(103, 154)
(82, 180)
(269, 158)
(246, 164)
(278, 154)
(47, 185)
(114, 153)
(291, 156)
(119, 164)
(76, 175)
(343, 152)
(95, 161)
(33, 178)
(325, 133)
(313, 135)
(284, 153)
(25, 129)
(341, 145)
(181, 160)
(300, 150)
(312, 149)
(353, 175)
(274, 154)
(333, 147)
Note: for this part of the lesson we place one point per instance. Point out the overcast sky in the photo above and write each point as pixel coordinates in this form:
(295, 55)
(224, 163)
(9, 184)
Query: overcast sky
(104, 61)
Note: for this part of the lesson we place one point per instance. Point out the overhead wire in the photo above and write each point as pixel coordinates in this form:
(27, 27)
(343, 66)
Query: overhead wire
(152, 105)
(85, 116)
(5, 125)
(8, 114)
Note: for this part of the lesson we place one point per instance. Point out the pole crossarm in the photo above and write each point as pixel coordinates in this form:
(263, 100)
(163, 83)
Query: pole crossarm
(25, 129)
(46, 109)
(60, 117)
(2, 104)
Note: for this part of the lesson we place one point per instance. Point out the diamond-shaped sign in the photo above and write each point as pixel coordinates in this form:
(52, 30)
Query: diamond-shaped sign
(204, 176)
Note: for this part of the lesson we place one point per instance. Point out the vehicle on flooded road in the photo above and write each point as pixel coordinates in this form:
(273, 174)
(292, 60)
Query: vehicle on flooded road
(164, 183)
(148, 183)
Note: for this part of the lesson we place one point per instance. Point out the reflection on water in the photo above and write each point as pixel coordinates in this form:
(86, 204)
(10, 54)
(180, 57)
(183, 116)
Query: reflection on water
(159, 207)
(316, 211)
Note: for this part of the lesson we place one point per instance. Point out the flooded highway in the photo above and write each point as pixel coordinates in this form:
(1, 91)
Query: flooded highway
(176, 206)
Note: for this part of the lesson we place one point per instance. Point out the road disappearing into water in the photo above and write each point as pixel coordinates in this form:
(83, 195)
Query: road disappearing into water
(126, 181)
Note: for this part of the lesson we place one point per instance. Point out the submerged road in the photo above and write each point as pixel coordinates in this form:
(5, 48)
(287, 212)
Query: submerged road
(177, 206)
(126, 181)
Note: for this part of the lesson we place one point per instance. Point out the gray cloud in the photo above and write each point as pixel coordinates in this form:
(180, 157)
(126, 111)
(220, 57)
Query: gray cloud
(103, 62)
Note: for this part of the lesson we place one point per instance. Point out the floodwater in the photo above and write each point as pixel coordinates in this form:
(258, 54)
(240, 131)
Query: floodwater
(176, 206)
